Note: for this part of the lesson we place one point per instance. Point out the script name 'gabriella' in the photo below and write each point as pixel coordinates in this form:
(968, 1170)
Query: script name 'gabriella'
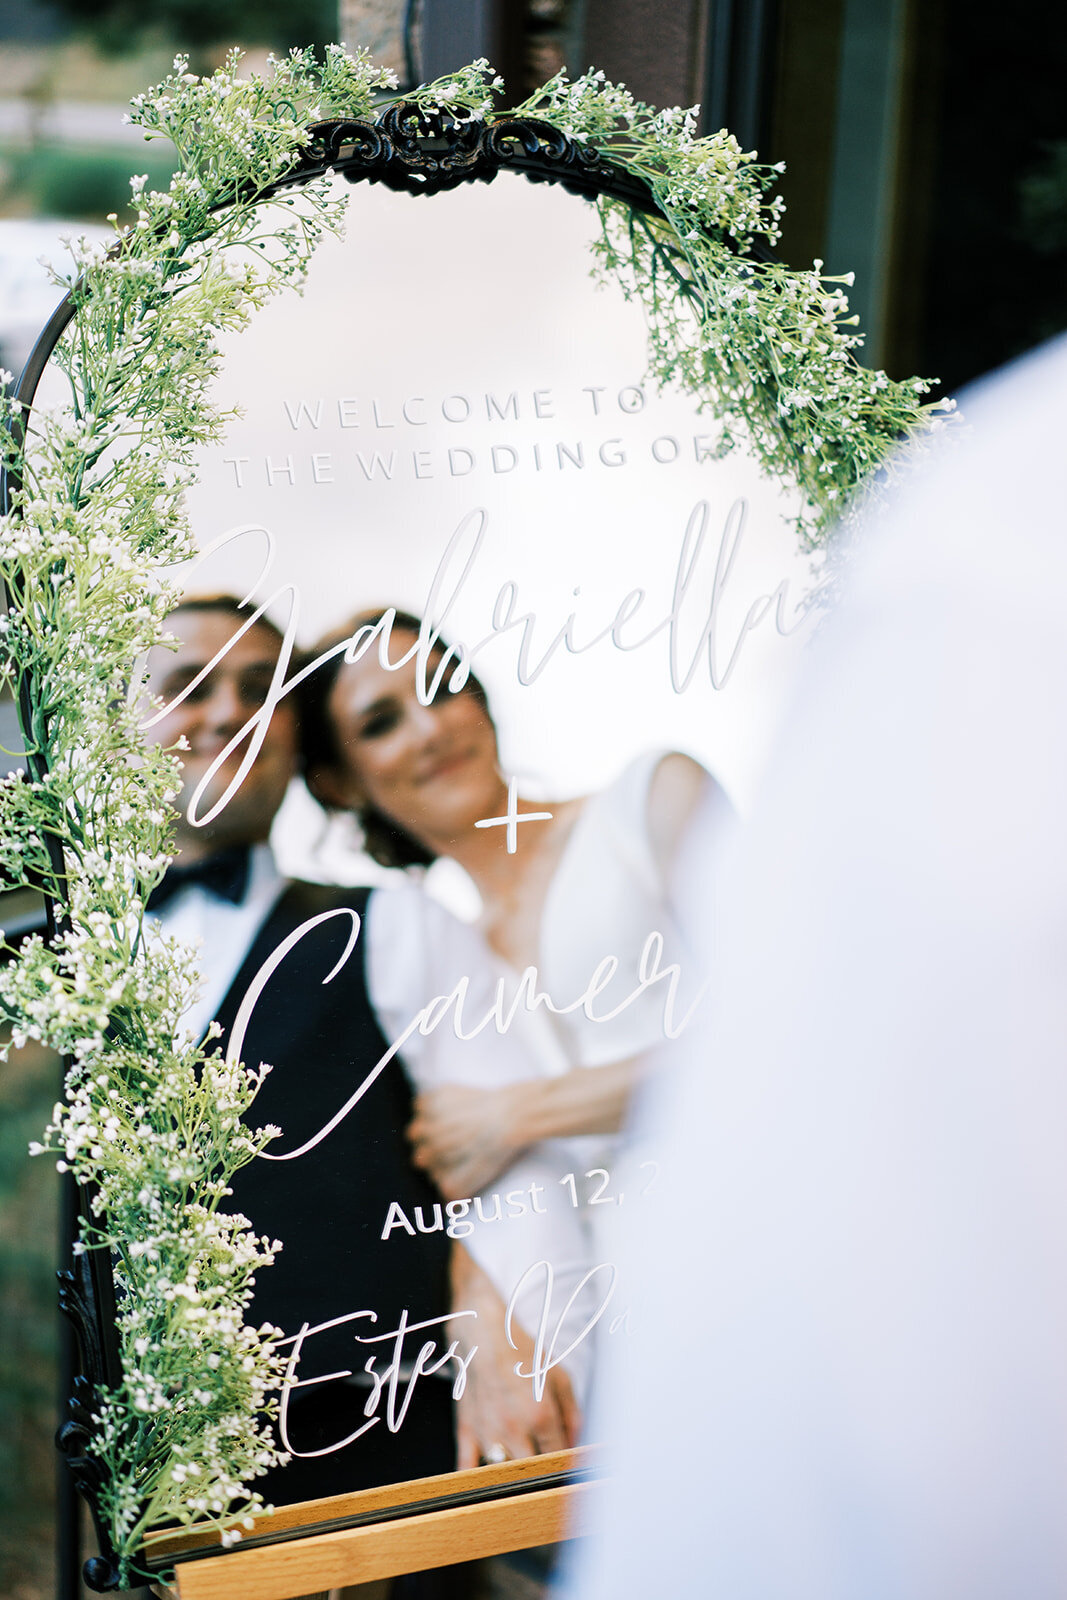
(525, 995)
(438, 665)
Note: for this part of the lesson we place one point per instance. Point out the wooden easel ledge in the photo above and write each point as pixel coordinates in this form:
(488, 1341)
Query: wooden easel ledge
(307, 1561)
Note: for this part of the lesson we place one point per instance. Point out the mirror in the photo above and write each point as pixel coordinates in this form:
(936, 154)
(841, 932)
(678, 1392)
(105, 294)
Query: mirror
(454, 423)
(480, 617)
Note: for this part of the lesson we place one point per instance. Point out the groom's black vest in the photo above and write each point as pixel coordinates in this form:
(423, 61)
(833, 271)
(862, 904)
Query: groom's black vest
(328, 1207)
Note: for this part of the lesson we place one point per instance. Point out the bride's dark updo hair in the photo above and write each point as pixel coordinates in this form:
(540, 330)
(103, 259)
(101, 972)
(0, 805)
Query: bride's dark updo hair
(384, 840)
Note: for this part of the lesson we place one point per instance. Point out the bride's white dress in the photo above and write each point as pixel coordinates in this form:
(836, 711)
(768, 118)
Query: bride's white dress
(613, 966)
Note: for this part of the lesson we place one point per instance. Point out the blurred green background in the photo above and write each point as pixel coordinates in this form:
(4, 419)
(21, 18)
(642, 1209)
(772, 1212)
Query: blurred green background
(29, 1228)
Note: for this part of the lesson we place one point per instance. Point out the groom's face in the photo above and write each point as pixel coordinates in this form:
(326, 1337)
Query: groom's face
(231, 693)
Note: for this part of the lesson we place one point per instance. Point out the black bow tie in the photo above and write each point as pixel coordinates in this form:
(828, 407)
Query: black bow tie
(224, 875)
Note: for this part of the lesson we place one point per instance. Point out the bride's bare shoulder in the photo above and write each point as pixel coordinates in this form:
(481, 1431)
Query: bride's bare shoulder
(678, 785)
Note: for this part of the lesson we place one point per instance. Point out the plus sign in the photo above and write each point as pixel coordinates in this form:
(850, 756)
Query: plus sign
(513, 818)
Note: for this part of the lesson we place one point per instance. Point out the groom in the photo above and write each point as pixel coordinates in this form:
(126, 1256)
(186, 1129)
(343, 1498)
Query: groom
(322, 1040)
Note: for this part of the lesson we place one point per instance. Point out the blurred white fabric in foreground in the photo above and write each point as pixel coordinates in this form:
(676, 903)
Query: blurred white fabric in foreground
(849, 1381)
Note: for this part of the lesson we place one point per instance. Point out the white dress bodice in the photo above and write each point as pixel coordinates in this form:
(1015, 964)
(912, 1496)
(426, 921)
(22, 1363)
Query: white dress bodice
(607, 902)
(607, 899)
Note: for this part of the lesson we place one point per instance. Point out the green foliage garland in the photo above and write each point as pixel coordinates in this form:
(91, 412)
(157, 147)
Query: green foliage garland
(151, 1123)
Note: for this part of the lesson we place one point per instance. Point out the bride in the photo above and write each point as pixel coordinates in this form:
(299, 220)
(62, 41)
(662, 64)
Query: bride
(581, 893)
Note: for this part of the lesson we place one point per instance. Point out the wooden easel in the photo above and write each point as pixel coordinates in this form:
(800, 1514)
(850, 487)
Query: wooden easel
(378, 1533)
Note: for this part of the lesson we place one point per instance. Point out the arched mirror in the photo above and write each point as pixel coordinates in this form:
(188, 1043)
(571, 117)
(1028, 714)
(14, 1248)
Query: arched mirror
(480, 612)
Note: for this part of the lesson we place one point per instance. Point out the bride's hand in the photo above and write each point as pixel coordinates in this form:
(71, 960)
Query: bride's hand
(497, 1415)
(464, 1137)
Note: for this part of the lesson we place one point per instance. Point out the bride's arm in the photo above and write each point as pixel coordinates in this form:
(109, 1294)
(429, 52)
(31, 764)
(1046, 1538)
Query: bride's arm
(678, 786)
(464, 1138)
(498, 1411)
(480, 1098)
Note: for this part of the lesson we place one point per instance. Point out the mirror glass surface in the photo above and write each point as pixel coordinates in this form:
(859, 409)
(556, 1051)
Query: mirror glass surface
(454, 421)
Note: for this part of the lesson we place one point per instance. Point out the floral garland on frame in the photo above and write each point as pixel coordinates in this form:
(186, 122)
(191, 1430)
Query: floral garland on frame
(153, 1127)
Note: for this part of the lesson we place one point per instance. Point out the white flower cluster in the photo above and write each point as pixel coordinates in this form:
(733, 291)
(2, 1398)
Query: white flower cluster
(771, 354)
(157, 1130)
(769, 350)
(470, 91)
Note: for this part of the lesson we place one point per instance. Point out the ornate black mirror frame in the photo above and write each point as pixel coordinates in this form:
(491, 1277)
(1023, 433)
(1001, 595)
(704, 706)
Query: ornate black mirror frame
(424, 148)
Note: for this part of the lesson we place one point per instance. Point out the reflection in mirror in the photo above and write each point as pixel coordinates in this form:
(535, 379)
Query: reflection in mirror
(507, 620)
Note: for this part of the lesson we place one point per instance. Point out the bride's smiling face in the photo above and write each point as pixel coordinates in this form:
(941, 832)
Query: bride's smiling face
(431, 768)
